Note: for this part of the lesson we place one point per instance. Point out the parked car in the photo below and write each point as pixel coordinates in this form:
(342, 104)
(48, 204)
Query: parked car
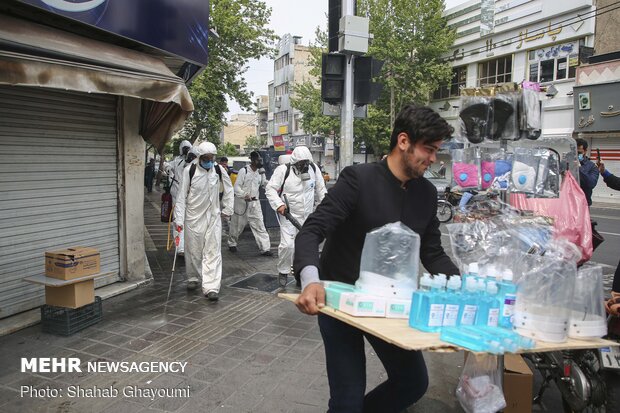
(440, 183)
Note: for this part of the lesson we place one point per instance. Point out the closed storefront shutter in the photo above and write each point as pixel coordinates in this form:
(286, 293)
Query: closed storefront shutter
(58, 185)
(610, 155)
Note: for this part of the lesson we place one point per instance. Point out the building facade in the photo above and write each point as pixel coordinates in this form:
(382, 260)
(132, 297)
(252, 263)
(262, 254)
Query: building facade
(239, 128)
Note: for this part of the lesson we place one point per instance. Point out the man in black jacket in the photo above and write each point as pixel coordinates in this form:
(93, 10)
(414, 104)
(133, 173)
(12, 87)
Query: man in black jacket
(365, 197)
(613, 182)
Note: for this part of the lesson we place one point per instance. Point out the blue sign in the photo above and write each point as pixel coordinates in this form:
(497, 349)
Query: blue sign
(179, 27)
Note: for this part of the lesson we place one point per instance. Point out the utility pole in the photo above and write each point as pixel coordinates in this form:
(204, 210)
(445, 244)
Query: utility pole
(346, 109)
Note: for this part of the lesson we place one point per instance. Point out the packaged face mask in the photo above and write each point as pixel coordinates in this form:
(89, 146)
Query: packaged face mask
(502, 172)
(466, 175)
(523, 177)
(488, 173)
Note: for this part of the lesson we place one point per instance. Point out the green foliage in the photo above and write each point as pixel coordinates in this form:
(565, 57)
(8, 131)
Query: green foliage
(227, 149)
(255, 142)
(410, 36)
(243, 35)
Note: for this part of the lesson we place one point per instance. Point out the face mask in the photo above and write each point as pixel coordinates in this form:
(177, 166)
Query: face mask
(502, 171)
(465, 174)
(580, 156)
(488, 173)
(206, 164)
(523, 177)
(302, 170)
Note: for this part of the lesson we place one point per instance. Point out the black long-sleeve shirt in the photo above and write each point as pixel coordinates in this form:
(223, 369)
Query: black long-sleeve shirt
(611, 180)
(366, 197)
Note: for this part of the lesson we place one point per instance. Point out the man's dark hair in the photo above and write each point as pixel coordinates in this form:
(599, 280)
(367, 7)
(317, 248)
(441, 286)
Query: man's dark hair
(224, 159)
(420, 123)
(582, 142)
(254, 155)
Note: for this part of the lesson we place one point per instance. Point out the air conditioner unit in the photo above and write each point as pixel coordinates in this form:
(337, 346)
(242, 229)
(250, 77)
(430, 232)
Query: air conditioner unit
(278, 101)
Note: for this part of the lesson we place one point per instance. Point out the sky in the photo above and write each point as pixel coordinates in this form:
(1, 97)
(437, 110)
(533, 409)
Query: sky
(299, 18)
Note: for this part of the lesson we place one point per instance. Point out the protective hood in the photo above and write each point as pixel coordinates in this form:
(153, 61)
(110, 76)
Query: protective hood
(206, 148)
(183, 145)
(283, 159)
(301, 153)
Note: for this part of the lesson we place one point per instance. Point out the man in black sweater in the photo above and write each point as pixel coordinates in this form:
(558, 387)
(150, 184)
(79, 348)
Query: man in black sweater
(612, 182)
(365, 197)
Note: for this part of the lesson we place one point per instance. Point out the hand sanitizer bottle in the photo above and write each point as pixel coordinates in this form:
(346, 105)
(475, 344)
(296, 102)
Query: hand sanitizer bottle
(452, 301)
(432, 307)
(507, 297)
(488, 312)
(417, 298)
(469, 304)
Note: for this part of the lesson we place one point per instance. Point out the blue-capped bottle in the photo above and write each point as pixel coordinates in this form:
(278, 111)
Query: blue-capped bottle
(507, 297)
(469, 303)
(417, 298)
(488, 311)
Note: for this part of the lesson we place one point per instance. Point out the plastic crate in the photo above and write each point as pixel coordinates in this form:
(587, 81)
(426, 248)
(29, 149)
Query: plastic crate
(66, 321)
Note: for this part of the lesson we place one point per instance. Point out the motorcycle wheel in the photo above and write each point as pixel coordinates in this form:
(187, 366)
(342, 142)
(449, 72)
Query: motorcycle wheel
(605, 392)
(444, 211)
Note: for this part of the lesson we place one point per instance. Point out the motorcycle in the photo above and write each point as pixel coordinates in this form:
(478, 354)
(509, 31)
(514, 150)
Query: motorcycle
(588, 380)
(448, 205)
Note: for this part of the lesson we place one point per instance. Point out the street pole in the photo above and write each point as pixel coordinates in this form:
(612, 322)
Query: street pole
(346, 110)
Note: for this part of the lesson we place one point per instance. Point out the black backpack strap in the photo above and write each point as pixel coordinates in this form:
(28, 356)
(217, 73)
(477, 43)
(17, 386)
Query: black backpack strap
(192, 171)
(219, 171)
(313, 167)
(288, 171)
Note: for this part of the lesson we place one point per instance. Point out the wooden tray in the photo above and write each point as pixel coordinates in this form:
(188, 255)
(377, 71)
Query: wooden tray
(398, 332)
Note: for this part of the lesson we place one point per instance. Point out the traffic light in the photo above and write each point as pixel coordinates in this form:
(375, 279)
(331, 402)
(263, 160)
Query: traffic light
(365, 90)
(333, 24)
(332, 77)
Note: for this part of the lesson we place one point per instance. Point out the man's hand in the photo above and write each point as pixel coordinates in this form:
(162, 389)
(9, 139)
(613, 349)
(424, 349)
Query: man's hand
(247, 197)
(281, 209)
(601, 167)
(312, 299)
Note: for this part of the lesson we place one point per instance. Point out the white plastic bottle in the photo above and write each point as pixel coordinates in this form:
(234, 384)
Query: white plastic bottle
(452, 301)
(507, 298)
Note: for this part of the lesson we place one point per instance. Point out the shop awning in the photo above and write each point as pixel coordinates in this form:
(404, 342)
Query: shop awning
(36, 55)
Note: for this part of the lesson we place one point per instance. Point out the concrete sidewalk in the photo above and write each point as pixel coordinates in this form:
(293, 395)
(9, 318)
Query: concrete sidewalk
(249, 352)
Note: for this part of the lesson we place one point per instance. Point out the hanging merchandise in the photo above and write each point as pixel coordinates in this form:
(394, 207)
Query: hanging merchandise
(466, 168)
(476, 116)
(548, 174)
(524, 168)
(488, 159)
(529, 107)
(505, 109)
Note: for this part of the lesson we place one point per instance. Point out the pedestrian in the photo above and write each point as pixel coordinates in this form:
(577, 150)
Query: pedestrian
(365, 197)
(198, 212)
(149, 174)
(442, 169)
(247, 206)
(296, 186)
(612, 182)
(588, 172)
(177, 166)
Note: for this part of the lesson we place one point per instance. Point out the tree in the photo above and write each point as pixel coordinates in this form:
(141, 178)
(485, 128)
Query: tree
(255, 142)
(227, 149)
(410, 36)
(243, 35)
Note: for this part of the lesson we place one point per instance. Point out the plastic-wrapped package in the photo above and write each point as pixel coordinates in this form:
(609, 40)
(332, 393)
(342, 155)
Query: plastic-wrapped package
(466, 168)
(524, 170)
(587, 317)
(390, 261)
(488, 158)
(544, 289)
(530, 114)
(548, 173)
(476, 117)
(480, 385)
(505, 122)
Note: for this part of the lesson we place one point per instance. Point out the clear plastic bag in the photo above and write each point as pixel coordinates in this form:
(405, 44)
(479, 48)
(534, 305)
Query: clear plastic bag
(588, 318)
(505, 122)
(480, 386)
(475, 118)
(524, 171)
(466, 168)
(548, 174)
(488, 159)
(390, 261)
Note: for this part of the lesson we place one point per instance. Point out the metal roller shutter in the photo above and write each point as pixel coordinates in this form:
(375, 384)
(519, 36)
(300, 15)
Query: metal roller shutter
(58, 185)
(610, 155)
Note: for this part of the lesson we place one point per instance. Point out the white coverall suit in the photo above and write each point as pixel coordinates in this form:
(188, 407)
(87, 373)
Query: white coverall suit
(301, 195)
(199, 211)
(177, 167)
(248, 183)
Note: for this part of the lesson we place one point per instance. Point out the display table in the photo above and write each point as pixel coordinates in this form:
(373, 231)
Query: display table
(397, 332)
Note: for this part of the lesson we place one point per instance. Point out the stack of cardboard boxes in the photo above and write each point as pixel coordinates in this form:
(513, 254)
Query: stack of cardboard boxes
(78, 265)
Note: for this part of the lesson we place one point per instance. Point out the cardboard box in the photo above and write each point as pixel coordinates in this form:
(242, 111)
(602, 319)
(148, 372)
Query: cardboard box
(72, 295)
(71, 263)
(518, 384)
(397, 308)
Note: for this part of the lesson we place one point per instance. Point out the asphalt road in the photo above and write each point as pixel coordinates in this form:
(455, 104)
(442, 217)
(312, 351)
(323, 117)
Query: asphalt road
(608, 220)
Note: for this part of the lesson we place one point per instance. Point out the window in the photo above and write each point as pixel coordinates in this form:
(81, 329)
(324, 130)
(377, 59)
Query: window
(281, 89)
(459, 79)
(282, 61)
(495, 71)
(557, 62)
(281, 117)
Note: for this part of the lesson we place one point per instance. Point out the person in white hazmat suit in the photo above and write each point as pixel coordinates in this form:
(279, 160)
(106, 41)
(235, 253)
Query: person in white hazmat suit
(176, 168)
(301, 184)
(198, 214)
(247, 206)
